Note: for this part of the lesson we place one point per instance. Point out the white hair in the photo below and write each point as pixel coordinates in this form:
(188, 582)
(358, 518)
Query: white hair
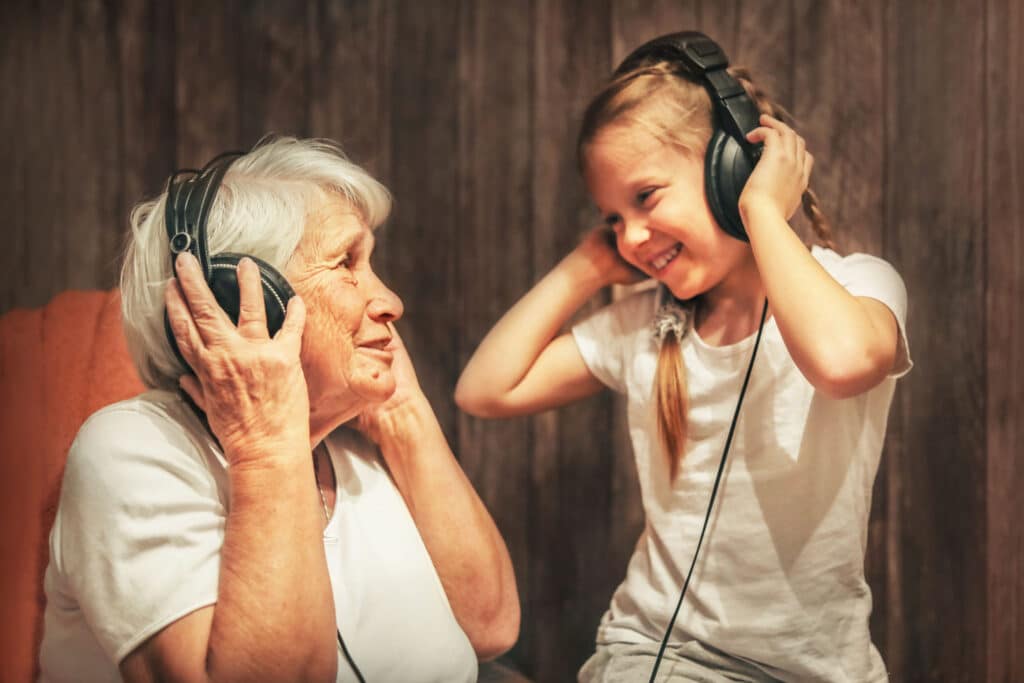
(261, 209)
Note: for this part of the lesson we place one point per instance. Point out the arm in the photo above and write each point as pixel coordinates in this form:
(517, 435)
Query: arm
(274, 618)
(844, 345)
(465, 546)
(521, 366)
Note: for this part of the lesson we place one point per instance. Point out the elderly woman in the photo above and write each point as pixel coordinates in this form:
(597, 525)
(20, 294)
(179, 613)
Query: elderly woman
(299, 515)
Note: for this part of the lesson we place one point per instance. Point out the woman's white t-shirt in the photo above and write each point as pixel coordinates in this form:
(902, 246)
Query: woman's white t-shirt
(137, 537)
(780, 578)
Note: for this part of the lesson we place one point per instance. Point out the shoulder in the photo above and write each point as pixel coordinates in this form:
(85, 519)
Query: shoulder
(628, 315)
(124, 446)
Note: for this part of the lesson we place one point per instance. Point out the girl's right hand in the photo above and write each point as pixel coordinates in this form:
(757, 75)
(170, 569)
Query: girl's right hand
(608, 267)
(250, 386)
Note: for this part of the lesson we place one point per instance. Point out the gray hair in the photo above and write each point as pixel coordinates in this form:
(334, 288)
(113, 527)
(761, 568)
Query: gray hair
(261, 209)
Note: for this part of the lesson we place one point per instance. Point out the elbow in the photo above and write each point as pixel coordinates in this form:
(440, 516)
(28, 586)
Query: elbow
(474, 402)
(495, 635)
(845, 373)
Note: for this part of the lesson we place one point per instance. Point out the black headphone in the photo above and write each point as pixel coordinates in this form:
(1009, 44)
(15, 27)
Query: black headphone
(730, 156)
(190, 195)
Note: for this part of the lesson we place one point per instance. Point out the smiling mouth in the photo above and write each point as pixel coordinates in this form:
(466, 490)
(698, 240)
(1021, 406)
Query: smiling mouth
(664, 258)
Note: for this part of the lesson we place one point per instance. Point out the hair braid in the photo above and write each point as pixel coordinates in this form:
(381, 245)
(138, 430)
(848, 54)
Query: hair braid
(819, 222)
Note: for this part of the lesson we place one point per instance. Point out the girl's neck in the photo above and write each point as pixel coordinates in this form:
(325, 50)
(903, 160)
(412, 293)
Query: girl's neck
(731, 311)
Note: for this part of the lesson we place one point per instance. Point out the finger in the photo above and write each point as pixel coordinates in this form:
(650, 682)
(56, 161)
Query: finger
(808, 167)
(294, 322)
(768, 136)
(191, 386)
(210, 319)
(182, 325)
(800, 153)
(252, 316)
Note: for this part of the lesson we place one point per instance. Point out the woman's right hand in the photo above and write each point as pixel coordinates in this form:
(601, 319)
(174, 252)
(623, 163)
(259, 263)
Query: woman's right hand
(599, 250)
(250, 386)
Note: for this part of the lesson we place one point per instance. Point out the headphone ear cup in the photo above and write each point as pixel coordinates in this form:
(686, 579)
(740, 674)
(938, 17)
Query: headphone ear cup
(726, 169)
(224, 285)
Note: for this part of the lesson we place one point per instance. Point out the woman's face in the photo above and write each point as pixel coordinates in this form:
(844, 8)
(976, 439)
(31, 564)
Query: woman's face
(652, 195)
(344, 345)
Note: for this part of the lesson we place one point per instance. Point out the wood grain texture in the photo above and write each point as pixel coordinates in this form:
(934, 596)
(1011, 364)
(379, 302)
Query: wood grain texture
(494, 268)
(934, 204)
(1004, 311)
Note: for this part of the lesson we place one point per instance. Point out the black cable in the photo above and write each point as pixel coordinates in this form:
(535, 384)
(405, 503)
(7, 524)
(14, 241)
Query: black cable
(714, 493)
(351, 662)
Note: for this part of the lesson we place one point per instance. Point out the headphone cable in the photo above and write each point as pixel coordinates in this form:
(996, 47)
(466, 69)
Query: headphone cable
(714, 493)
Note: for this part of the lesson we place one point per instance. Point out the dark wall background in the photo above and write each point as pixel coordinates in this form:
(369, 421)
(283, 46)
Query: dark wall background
(467, 111)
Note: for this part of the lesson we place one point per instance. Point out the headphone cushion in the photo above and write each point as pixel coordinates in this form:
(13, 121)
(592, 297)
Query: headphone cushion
(224, 284)
(726, 169)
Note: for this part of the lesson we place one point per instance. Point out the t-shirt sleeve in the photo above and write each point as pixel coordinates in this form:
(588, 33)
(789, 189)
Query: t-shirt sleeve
(607, 339)
(869, 276)
(139, 529)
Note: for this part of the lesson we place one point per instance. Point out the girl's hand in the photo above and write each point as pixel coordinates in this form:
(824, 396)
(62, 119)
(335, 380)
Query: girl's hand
(598, 249)
(375, 421)
(250, 386)
(781, 175)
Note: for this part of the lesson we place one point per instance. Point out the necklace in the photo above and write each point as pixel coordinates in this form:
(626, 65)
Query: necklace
(319, 489)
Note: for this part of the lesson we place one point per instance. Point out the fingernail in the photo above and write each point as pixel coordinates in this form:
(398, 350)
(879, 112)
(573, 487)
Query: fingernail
(185, 260)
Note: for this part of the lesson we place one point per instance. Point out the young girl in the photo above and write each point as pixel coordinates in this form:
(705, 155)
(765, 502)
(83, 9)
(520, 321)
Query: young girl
(777, 591)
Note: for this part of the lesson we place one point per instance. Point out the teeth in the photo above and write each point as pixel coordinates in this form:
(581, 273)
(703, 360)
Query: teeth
(665, 258)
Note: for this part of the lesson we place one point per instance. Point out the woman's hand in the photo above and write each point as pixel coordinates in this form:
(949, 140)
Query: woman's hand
(598, 250)
(250, 386)
(781, 175)
(378, 418)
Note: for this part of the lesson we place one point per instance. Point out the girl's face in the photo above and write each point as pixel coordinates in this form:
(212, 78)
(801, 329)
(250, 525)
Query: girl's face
(652, 196)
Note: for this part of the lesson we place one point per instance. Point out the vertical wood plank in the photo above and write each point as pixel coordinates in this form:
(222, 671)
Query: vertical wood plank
(349, 79)
(208, 83)
(273, 70)
(495, 261)
(934, 208)
(1004, 312)
(148, 125)
(417, 253)
(634, 22)
(571, 459)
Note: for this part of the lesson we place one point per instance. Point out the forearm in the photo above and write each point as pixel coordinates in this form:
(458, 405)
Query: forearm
(274, 617)
(466, 547)
(831, 334)
(510, 349)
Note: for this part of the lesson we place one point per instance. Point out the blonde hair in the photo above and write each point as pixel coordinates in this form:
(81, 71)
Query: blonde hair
(675, 108)
(261, 209)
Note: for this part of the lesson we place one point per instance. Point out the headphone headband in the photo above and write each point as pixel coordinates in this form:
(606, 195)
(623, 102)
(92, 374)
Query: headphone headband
(706, 61)
(188, 207)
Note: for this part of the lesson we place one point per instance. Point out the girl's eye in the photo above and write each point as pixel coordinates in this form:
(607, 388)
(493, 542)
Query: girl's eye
(345, 262)
(612, 220)
(643, 195)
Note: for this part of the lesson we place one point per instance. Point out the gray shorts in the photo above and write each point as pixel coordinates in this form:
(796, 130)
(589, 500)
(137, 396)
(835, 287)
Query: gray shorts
(691, 662)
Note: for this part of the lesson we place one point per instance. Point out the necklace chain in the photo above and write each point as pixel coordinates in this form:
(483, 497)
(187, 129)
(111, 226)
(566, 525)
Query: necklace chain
(319, 489)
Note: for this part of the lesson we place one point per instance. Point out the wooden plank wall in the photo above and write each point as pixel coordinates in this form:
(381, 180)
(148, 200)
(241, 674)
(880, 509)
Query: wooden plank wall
(467, 110)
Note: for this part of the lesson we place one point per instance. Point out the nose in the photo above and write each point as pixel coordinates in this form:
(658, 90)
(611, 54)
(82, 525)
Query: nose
(383, 305)
(635, 232)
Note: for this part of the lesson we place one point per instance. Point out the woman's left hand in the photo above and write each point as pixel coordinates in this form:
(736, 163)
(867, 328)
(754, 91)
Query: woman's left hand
(378, 418)
(781, 175)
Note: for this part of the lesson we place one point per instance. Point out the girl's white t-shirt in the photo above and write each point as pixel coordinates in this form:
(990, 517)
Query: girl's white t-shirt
(137, 537)
(780, 577)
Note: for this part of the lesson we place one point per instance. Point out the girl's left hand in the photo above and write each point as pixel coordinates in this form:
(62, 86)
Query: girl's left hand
(781, 175)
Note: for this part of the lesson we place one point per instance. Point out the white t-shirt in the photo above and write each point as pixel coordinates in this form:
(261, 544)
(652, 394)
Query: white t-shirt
(780, 578)
(136, 545)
